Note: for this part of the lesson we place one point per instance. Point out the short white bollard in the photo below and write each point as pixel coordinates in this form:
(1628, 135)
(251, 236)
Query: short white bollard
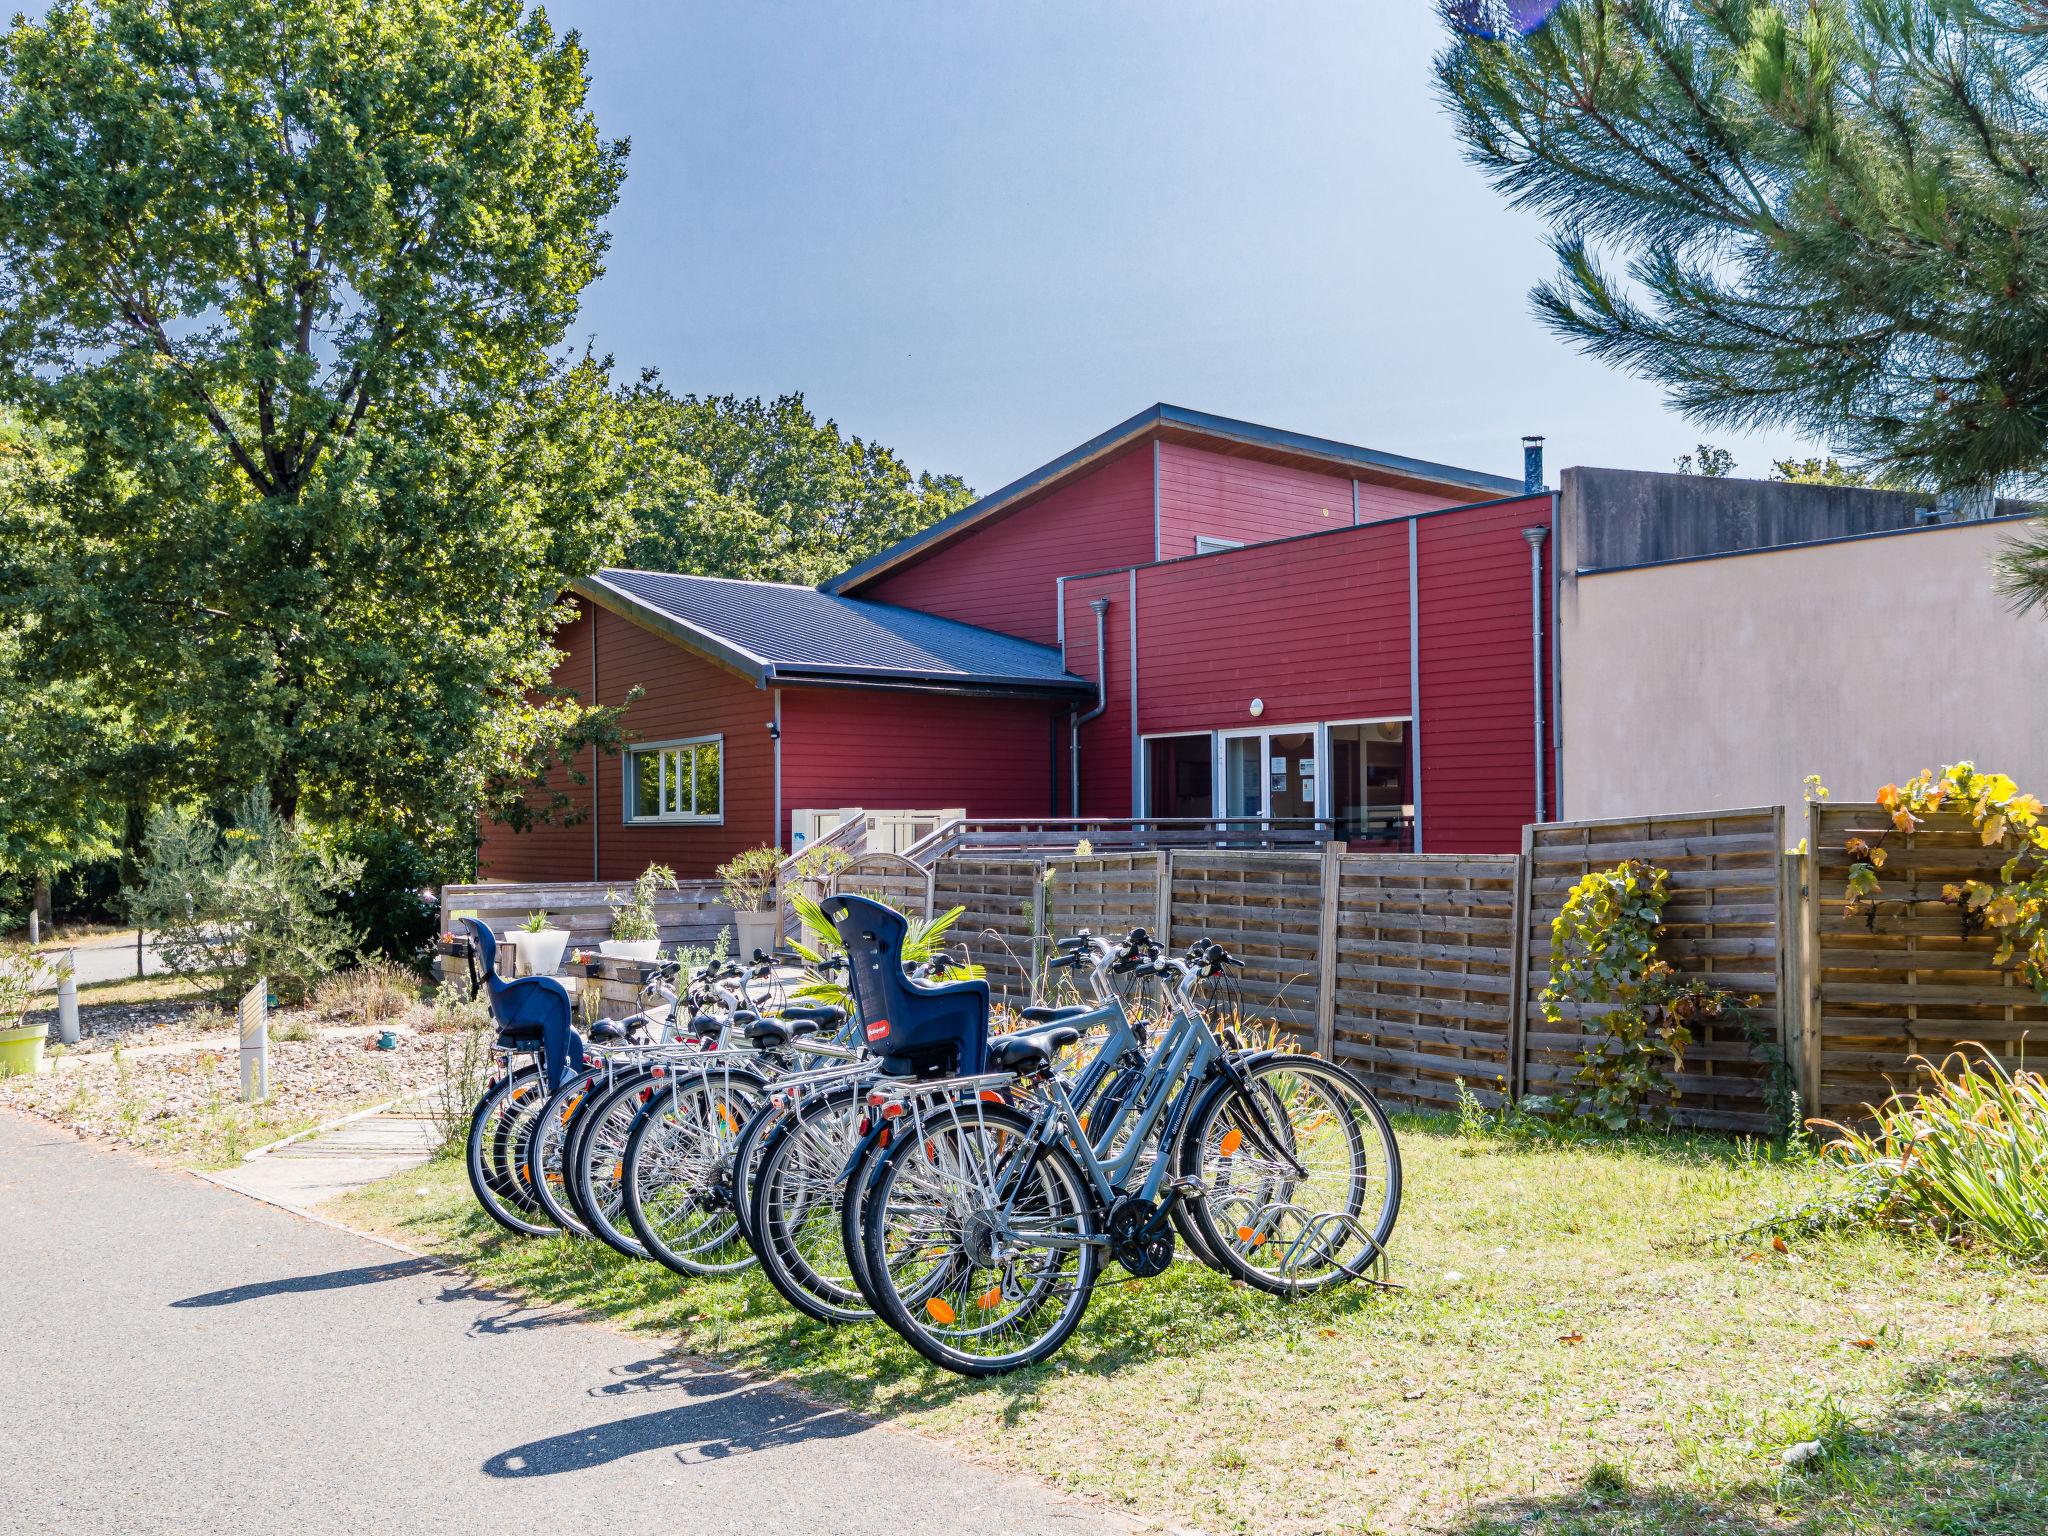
(67, 998)
(35, 927)
(253, 1016)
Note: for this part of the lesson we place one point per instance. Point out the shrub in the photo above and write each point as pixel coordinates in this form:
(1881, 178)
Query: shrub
(255, 900)
(1965, 1158)
(750, 879)
(633, 920)
(1603, 949)
(389, 904)
(23, 973)
(369, 993)
(921, 943)
(453, 1010)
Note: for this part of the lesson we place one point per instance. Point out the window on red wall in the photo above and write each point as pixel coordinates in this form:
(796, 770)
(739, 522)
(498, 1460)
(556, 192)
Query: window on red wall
(677, 781)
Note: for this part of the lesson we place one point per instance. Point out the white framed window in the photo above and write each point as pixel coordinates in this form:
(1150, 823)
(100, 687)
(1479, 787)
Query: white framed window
(676, 781)
(1205, 545)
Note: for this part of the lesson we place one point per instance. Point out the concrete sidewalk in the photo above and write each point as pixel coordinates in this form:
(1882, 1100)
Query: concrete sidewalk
(197, 1361)
(352, 1155)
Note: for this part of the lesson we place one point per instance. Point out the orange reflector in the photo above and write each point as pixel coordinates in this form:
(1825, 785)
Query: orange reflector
(988, 1301)
(990, 1096)
(618, 1170)
(1084, 1122)
(1232, 1140)
(940, 1310)
(892, 1111)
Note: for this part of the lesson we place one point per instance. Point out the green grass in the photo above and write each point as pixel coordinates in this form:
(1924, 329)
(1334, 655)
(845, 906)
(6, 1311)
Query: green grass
(1572, 1354)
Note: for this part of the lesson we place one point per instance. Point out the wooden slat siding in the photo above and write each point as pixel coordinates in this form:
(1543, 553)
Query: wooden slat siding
(1908, 984)
(1105, 740)
(1478, 693)
(1265, 909)
(1317, 629)
(1724, 920)
(1107, 894)
(996, 927)
(696, 915)
(905, 751)
(1004, 574)
(1220, 496)
(684, 695)
(1425, 973)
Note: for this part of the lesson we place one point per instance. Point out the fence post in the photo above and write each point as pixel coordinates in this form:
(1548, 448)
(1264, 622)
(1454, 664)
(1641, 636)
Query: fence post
(1518, 991)
(1038, 881)
(1814, 968)
(1162, 917)
(1326, 952)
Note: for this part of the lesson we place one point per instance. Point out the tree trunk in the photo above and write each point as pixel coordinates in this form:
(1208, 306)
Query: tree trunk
(41, 903)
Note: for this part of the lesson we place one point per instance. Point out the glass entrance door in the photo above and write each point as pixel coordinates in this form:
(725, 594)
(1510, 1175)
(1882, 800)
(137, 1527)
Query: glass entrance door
(1291, 774)
(1244, 785)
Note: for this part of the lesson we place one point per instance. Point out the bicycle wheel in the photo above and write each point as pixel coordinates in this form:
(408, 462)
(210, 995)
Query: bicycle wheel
(797, 1202)
(544, 1170)
(494, 1154)
(747, 1152)
(678, 1184)
(1300, 1172)
(597, 1169)
(981, 1243)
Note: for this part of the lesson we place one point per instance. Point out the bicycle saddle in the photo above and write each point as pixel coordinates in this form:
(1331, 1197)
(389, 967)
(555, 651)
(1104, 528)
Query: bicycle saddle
(607, 1032)
(770, 1033)
(1025, 1054)
(1042, 1014)
(824, 1015)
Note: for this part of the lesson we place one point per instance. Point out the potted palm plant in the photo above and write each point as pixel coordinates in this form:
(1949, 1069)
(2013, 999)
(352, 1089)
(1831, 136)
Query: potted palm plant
(636, 932)
(540, 945)
(23, 973)
(750, 879)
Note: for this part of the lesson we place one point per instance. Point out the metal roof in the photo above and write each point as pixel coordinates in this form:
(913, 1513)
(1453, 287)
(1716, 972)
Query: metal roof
(772, 632)
(1160, 418)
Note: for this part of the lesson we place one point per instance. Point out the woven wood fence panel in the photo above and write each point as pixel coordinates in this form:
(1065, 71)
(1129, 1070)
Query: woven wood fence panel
(1424, 978)
(1107, 894)
(1724, 920)
(1000, 896)
(887, 877)
(1266, 908)
(1905, 981)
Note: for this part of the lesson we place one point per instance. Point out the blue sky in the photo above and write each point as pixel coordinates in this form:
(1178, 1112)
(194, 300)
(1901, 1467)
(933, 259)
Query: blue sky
(984, 232)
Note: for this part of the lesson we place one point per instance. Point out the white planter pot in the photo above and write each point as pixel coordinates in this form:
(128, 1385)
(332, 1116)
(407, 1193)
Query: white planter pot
(755, 930)
(646, 950)
(540, 954)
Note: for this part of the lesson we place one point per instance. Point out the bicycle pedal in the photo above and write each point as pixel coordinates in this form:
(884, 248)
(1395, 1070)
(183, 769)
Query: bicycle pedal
(1186, 1188)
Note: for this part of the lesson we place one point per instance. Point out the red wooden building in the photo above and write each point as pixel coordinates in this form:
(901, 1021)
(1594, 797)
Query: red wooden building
(1186, 616)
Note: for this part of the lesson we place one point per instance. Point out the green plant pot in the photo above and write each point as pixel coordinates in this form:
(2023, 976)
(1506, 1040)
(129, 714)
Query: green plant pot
(21, 1049)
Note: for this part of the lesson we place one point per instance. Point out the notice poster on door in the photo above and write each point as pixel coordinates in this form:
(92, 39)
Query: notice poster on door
(1276, 768)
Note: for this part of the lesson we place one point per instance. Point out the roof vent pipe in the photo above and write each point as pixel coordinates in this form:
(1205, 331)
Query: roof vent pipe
(1532, 464)
(1099, 606)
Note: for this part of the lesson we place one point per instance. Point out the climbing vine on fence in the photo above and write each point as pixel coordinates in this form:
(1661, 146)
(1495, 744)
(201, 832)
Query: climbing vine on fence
(1604, 951)
(2015, 905)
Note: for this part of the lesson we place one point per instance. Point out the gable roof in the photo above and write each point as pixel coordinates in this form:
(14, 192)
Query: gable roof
(772, 632)
(1176, 423)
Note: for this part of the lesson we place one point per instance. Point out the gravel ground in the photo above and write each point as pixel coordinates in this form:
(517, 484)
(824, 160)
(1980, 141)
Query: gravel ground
(172, 1088)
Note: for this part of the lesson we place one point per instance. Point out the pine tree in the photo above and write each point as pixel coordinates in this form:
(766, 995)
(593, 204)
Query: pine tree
(1819, 214)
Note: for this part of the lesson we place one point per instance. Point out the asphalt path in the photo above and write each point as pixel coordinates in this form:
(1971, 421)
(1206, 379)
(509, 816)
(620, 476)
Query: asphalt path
(180, 1358)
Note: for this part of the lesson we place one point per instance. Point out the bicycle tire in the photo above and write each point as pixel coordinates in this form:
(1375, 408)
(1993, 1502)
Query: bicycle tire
(808, 1145)
(491, 1153)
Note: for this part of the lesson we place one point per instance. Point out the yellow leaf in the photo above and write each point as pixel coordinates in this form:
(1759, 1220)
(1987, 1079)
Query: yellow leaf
(1994, 829)
(1574, 1337)
(1903, 820)
(1877, 858)
(1863, 1343)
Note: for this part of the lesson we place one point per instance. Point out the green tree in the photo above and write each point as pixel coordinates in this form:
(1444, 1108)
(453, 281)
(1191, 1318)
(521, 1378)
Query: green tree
(1708, 461)
(284, 281)
(1827, 214)
(761, 489)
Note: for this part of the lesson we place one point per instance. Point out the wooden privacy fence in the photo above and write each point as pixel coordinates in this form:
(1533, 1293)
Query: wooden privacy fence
(1419, 970)
(1899, 978)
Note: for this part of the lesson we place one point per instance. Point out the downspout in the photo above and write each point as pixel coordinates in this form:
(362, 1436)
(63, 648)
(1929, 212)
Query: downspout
(1535, 536)
(1099, 606)
(597, 760)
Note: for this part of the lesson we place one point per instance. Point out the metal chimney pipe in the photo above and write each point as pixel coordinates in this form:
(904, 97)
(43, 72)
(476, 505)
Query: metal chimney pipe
(1532, 463)
(1099, 606)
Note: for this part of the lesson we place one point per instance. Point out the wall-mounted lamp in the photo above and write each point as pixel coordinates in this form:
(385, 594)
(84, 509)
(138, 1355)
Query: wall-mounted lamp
(1258, 708)
(774, 731)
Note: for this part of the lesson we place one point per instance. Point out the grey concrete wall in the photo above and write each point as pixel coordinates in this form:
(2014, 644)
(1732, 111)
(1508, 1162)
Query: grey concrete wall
(1721, 683)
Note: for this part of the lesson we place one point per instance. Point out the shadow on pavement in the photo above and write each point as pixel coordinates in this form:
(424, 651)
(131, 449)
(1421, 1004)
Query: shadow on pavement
(332, 1280)
(728, 1417)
